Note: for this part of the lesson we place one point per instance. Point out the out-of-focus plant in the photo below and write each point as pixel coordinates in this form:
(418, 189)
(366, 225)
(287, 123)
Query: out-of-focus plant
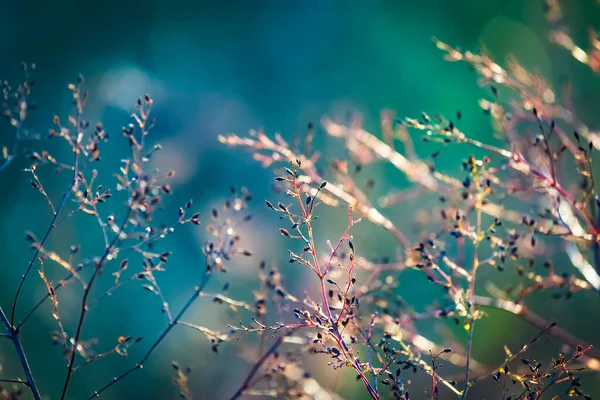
(357, 320)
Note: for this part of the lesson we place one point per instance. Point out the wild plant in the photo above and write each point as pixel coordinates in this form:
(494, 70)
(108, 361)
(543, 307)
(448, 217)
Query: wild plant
(527, 192)
(500, 220)
(130, 252)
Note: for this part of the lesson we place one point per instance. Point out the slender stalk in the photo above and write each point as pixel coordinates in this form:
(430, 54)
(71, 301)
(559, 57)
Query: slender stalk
(591, 362)
(368, 340)
(63, 203)
(514, 356)
(47, 296)
(140, 364)
(469, 346)
(84, 305)
(480, 196)
(77, 269)
(433, 379)
(246, 384)
(14, 381)
(13, 334)
(322, 276)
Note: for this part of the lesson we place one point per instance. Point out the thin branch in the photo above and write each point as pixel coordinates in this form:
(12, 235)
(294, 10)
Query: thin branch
(140, 364)
(84, 304)
(14, 336)
(591, 362)
(47, 295)
(246, 384)
(78, 269)
(14, 381)
(63, 203)
(512, 357)
(471, 292)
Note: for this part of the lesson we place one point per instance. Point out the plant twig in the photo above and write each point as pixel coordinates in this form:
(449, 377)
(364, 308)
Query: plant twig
(140, 364)
(84, 304)
(246, 383)
(63, 203)
(14, 337)
(14, 381)
(592, 361)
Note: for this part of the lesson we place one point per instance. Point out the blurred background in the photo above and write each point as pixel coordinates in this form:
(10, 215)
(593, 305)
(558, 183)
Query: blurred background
(215, 67)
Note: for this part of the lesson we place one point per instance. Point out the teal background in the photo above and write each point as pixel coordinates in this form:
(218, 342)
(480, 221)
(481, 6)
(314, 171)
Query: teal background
(230, 66)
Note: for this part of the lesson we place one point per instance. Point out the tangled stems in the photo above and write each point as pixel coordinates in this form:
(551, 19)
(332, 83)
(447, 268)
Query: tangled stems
(479, 201)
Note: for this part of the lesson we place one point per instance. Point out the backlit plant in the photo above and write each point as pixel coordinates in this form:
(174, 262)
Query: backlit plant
(521, 197)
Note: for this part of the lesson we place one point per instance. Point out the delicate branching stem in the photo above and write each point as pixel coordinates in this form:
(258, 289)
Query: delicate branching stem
(84, 301)
(13, 334)
(74, 272)
(175, 321)
(337, 336)
(514, 356)
(522, 165)
(436, 182)
(246, 383)
(592, 361)
(312, 175)
(47, 296)
(61, 206)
